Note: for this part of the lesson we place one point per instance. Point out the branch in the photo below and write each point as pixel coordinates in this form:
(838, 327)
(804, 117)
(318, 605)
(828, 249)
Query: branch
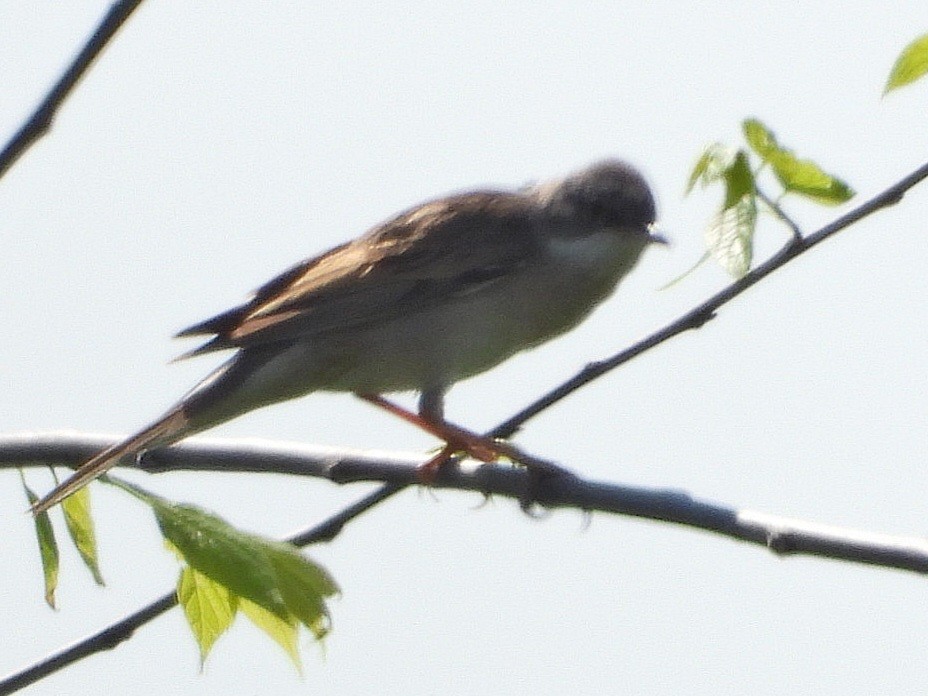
(399, 470)
(41, 119)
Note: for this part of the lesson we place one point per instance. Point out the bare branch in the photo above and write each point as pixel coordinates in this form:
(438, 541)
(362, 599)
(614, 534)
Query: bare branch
(106, 639)
(399, 470)
(71, 448)
(41, 119)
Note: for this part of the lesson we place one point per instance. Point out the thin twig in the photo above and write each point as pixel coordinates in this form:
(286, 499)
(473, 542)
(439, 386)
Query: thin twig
(780, 213)
(39, 123)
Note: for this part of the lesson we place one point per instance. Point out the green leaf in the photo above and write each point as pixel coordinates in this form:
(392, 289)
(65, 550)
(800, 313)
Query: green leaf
(209, 607)
(711, 165)
(304, 587)
(807, 179)
(48, 547)
(221, 552)
(77, 516)
(761, 140)
(730, 236)
(800, 176)
(911, 64)
(272, 574)
(284, 633)
(739, 180)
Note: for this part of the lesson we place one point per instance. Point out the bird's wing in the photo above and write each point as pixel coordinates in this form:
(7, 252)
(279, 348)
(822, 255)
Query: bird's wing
(417, 260)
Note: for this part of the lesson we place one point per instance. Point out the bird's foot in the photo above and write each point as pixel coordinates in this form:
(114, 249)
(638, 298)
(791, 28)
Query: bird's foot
(427, 473)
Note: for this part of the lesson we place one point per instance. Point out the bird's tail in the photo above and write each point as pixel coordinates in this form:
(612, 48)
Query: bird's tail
(169, 428)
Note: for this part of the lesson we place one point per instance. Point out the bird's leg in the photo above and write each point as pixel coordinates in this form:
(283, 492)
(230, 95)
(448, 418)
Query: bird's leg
(430, 418)
(457, 439)
(432, 404)
(477, 446)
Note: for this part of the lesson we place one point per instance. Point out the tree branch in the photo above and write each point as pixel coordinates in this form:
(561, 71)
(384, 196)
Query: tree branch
(39, 123)
(399, 470)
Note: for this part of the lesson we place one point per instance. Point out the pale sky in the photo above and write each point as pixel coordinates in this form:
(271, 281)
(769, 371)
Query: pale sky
(215, 144)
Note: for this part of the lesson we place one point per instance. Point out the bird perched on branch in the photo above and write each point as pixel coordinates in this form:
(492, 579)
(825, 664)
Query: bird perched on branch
(439, 293)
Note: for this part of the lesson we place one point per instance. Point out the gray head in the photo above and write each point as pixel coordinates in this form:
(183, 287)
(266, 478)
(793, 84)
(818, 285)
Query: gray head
(610, 193)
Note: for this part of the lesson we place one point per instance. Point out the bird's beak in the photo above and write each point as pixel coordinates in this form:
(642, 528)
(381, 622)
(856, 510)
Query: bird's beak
(657, 234)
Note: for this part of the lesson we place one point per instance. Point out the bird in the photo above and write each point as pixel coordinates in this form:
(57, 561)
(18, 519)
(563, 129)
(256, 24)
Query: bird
(436, 294)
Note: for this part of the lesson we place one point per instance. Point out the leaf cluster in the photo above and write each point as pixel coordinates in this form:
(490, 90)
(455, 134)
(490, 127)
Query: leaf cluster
(729, 236)
(224, 570)
(730, 233)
